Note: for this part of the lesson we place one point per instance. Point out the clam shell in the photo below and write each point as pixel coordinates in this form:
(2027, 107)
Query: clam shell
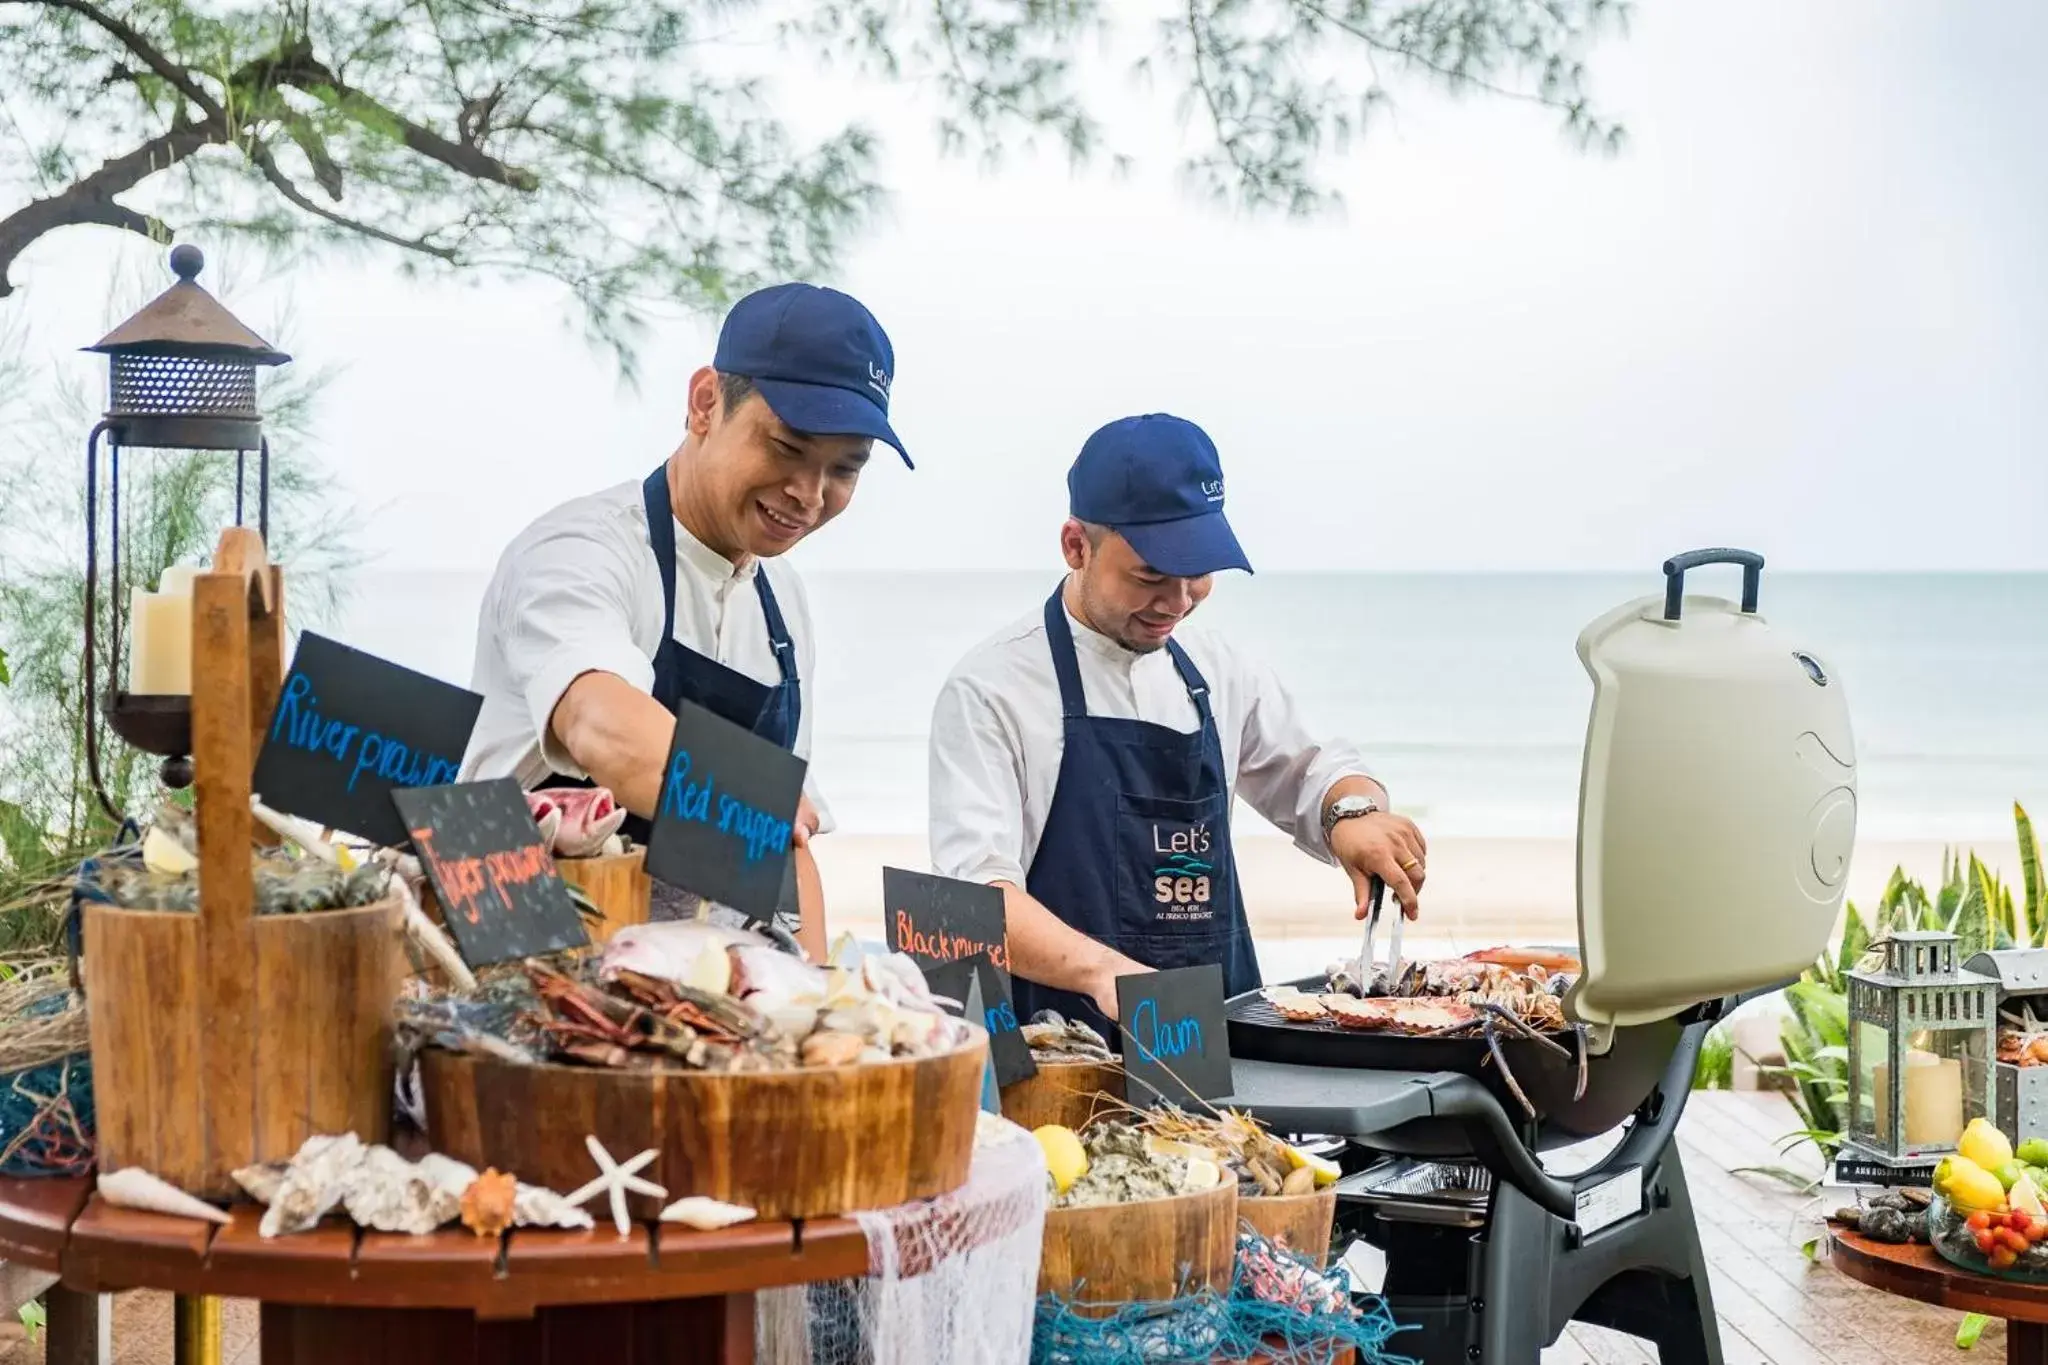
(536, 1207)
(706, 1215)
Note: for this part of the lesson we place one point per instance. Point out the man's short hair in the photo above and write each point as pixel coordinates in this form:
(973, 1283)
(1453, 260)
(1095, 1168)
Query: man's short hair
(733, 390)
(1094, 532)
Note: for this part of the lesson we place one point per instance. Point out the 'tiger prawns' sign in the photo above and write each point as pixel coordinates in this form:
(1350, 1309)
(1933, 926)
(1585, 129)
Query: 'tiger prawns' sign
(499, 891)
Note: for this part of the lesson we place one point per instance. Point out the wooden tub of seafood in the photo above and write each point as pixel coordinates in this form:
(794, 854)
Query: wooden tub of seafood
(617, 884)
(1145, 1251)
(753, 1077)
(1078, 1080)
(1300, 1222)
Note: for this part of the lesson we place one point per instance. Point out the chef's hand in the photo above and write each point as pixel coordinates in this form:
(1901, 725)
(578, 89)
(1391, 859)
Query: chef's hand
(1101, 983)
(805, 824)
(1385, 845)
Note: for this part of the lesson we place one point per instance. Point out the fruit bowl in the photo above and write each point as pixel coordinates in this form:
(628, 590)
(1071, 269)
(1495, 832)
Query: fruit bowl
(1959, 1238)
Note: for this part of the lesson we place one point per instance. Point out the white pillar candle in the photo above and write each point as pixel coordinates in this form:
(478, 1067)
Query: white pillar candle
(160, 636)
(1934, 1100)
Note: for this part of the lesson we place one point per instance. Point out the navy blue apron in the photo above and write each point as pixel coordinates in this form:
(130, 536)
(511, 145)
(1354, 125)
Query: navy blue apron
(1136, 849)
(682, 674)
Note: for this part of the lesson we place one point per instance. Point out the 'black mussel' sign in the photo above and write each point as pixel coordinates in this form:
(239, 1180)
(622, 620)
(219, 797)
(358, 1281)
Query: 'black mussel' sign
(349, 729)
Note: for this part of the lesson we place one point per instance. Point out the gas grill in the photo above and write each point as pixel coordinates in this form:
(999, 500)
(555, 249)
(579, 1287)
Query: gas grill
(1716, 818)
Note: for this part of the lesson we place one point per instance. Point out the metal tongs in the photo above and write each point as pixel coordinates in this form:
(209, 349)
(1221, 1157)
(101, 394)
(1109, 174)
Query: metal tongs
(1368, 970)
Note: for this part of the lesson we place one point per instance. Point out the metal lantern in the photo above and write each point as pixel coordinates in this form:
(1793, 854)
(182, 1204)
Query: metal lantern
(181, 376)
(1923, 1034)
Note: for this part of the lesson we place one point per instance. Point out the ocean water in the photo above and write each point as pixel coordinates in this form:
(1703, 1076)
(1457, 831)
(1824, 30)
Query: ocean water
(1464, 687)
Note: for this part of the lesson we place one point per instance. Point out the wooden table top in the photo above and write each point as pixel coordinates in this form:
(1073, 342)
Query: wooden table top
(63, 1227)
(1918, 1272)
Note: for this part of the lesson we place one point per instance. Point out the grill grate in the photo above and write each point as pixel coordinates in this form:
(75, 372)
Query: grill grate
(181, 386)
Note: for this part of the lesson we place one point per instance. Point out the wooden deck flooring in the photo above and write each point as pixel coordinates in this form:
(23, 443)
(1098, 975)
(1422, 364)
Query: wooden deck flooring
(1775, 1306)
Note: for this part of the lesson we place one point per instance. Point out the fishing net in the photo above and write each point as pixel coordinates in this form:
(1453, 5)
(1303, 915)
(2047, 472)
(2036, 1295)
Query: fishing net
(1280, 1308)
(951, 1280)
(46, 1118)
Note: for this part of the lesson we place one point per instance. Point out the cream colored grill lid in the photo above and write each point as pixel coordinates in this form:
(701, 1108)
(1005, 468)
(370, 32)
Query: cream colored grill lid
(1717, 805)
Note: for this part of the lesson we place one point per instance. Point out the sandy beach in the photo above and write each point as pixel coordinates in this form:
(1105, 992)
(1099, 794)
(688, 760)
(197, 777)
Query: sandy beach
(1480, 891)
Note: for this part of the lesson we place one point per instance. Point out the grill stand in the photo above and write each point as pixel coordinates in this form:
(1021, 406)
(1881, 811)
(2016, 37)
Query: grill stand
(1499, 1295)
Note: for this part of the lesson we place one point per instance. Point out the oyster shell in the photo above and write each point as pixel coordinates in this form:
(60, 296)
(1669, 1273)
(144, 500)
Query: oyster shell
(389, 1194)
(314, 1183)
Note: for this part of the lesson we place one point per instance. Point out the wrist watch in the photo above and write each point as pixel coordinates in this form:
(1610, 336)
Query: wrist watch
(1346, 808)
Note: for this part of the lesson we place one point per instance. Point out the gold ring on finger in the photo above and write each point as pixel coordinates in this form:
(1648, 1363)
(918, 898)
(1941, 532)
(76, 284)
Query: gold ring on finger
(1410, 863)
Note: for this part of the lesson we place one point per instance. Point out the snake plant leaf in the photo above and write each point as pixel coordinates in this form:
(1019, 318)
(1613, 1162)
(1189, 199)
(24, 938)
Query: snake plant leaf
(1972, 921)
(2030, 876)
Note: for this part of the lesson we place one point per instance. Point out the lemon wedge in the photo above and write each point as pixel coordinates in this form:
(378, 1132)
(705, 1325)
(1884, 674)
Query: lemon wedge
(1326, 1171)
(1064, 1158)
(162, 853)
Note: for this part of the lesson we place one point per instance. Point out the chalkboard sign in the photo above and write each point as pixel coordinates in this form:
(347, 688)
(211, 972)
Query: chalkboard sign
(984, 990)
(723, 818)
(500, 894)
(349, 728)
(1175, 1044)
(942, 919)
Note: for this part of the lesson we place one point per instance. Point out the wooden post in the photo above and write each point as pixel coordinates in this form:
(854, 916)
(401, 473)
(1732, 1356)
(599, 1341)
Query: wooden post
(226, 1038)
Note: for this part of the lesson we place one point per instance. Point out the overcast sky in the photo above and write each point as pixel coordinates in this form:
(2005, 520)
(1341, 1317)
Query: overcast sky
(1805, 312)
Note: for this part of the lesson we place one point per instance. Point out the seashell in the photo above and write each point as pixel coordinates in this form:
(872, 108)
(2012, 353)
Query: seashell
(260, 1181)
(831, 1049)
(1300, 1180)
(316, 1180)
(446, 1173)
(387, 1193)
(706, 1215)
(916, 1031)
(488, 1205)
(534, 1206)
(131, 1187)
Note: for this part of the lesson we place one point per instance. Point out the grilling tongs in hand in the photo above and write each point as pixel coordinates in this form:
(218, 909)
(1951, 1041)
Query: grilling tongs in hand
(1369, 979)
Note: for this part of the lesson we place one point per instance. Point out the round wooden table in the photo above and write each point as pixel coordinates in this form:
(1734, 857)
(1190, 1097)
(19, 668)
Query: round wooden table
(661, 1295)
(1919, 1272)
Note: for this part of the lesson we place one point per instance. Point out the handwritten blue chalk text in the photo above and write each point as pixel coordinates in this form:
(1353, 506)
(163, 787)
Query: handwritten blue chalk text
(685, 799)
(1175, 1038)
(299, 724)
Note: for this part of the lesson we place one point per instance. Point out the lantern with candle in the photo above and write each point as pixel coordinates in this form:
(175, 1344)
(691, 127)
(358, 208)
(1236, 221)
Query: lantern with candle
(181, 376)
(1923, 1034)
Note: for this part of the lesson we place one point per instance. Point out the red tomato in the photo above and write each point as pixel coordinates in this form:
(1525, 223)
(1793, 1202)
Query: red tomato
(2001, 1259)
(2016, 1220)
(1979, 1220)
(1986, 1243)
(2010, 1239)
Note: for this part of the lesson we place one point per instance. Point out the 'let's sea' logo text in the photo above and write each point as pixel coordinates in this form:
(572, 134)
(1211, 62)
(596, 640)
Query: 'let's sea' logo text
(1180, 881)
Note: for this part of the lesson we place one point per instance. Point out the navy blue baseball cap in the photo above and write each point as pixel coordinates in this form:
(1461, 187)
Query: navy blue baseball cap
(1156, 481)
(821, 361)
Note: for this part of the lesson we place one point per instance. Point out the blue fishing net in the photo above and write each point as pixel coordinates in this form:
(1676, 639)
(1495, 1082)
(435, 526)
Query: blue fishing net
(1204, 1326)
(46, 1118)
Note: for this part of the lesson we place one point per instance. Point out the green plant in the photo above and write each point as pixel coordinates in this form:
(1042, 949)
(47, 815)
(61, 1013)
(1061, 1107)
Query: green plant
(34, 1317)
(1970, 902)
(1716, 1069)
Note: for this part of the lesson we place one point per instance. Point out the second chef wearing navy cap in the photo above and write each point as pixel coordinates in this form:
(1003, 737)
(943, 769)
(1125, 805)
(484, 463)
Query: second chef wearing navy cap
(1084, 758)
(611, 609)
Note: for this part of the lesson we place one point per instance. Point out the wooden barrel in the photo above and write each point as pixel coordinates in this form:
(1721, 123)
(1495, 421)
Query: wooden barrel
(1066, 1093)
(1302, 1222)
(619, 885)
(1145, 1252)
(188, 1099)
(803, 1143)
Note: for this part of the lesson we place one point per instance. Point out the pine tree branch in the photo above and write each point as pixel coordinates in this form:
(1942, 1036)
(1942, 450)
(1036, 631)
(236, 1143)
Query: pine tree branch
(91, 200)
(283, 184)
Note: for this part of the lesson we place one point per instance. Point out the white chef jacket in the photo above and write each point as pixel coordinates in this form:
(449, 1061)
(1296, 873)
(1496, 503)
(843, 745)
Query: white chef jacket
(997, 740)
(578, 591)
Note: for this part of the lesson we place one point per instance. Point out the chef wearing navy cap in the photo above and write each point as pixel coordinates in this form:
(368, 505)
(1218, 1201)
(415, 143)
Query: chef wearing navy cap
(1084, 758)
(611, 609)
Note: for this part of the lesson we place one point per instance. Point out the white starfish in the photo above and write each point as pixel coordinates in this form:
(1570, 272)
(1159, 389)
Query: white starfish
(616, 1179)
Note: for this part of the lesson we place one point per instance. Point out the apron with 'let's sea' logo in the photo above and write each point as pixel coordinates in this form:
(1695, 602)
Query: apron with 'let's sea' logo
(1136, 849)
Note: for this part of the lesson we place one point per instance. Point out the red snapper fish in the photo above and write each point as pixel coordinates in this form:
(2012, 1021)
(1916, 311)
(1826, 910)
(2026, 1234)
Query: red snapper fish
(575, 822)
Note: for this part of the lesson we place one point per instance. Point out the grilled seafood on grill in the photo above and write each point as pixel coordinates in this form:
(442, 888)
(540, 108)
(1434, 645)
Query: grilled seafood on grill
(1498, 991)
